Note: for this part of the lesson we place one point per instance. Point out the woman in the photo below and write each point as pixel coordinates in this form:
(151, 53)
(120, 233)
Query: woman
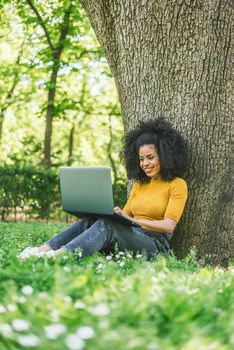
(155, 156)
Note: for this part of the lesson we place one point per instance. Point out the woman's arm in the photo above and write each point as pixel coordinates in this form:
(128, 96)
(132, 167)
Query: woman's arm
(167, 225)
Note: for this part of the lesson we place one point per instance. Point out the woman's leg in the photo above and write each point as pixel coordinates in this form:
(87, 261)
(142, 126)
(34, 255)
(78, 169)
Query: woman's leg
(104, 234)
(59, 240)
(69, 234)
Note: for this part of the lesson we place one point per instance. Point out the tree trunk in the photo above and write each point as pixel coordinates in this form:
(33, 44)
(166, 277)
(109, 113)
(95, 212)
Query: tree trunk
(2, 115)
(8, 99)
(49, 116)
(173, 58)
(52, 87)
(70, 145)
(109, 152)
(56, 51)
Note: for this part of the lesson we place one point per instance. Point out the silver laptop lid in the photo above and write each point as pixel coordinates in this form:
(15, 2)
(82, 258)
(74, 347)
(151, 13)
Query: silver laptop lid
(86, 189)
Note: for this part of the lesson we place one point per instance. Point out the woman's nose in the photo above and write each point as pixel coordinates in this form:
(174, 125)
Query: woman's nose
(145, 161)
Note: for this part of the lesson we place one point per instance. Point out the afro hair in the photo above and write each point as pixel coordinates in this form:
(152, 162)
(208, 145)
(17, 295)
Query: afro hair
(170, 145)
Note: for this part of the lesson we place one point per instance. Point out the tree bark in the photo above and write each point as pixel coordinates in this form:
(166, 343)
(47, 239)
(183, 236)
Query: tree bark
(173, 58)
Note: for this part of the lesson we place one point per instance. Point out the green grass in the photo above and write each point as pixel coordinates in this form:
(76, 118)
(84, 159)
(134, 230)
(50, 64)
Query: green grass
(125, 303)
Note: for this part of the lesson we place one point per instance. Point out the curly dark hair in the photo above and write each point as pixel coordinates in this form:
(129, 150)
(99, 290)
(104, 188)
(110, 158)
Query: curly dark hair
(170, 145)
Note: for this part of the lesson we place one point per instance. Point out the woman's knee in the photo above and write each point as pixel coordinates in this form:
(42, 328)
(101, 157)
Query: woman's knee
(104, 222)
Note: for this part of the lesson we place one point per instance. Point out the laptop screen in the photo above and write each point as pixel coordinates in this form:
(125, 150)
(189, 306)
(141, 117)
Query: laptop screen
(86, 189)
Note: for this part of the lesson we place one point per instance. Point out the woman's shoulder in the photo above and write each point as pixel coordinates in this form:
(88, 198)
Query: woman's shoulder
(179, 183)
(176, 182)
(136, 185)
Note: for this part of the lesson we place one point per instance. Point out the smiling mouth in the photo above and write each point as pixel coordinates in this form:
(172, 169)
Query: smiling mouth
(148, 170)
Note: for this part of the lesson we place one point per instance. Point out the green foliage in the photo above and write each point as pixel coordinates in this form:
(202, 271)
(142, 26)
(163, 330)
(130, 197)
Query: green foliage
(84, 87)
(126, 303)
(120, 192)
(87, 125)
(34, 190)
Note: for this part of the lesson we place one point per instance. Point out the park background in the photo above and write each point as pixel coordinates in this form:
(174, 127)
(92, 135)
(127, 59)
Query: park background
(85, 125)
(59, 106)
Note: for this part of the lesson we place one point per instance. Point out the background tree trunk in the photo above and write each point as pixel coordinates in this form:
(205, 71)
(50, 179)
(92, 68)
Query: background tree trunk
(50, 115)
(8, 100)
(56, 52)
(71, 145)
(109, 153)
(173, 58)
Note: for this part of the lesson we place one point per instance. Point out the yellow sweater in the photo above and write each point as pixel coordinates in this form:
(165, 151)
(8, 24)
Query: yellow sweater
(157, 199)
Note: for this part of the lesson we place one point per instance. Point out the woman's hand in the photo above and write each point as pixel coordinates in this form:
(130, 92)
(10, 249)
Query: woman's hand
(121, 212)
(118, 210)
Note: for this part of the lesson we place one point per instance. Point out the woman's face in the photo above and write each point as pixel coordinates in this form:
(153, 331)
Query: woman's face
(149, 160)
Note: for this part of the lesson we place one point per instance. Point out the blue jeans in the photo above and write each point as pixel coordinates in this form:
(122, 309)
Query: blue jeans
(102, 235)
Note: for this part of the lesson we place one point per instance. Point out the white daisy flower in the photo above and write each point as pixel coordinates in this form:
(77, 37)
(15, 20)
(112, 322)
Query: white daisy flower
(79, 305)
(55, 315)
(74, 342)
(108, 257)
(27, 290)
(66, 269)
(5, 330)
(85, 332)
(79, 254)
(21, 299)
(100, 310)
(11, 307)
(20, 325)
(2, 309)
(43, 295)
(100, 266)
(54, 330)
(28, 340)
(67, 299)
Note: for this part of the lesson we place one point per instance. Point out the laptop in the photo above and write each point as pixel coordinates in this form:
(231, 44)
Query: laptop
(87, 192)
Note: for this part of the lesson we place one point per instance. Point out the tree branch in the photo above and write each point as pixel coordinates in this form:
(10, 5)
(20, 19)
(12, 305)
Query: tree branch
(87, 52)
(65, 26)
(8, 100)
(15, 80)
(41, 22)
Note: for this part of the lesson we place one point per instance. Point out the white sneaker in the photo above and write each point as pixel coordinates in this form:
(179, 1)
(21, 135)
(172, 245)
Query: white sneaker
(48, 254)
(28, 252)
